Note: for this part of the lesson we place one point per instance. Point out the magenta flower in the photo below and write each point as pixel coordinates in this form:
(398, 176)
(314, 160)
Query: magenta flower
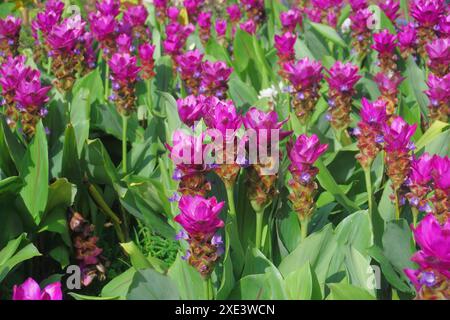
(135, 15)
(173, 13)
(384, 42)
(30, 94)
(388, 85)
(303, 153)
(304, 73)
(438, 90)
(12, 72)
(66, 35)
(397, 135)
(54, 5)
(108, 7)
(427, 12)
(373, 113)
(289, 19)
(177, 35)
(234, 12)
(199, 215)
(190, 109)
(359, 20)
(444, 26)
(285, 44)
(215, 77)
(30, 290)
(102, 26)
(441, 173)
(222, 116)
(343, 77)
(204, 20)
(358, 4)
(124, 68)
(439, 53)
(124, 43)
(44, 22)
(248, 26)
(390, 8)
(263, 123)
(10, 27)
(314, 14)
(421, 170)
(193, 8)
(221, 27)
(323, 4)
(146, 51)
(407, 37)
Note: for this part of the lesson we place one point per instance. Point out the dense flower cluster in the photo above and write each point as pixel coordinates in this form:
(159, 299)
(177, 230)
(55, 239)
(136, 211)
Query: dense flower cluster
(285, 50)
(30, 290)
(9, 35)
(432, 278)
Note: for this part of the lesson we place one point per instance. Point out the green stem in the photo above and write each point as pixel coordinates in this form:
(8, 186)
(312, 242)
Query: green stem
(106, 85)
(259, 222)
(369, 190)
(210, 289)
(206, 288)
(415, 214)
(49, 66)
(124, 143)
(149, 94)
(345, 138)
(397, 205)
(97, 197)
(304, 228)
(230, 196)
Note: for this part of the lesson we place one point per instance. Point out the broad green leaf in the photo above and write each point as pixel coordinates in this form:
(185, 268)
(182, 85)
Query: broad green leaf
(93, 83)
(343, 291)
(243, 49)
(15, 147)
(77, 296)
(61, 255)
(328, 33)
(61, 193)
(302, 284)
(34, 170)
(433, 131)
(139, 261)
(120, 285)
(187, 279)
(80, 114)
(416, 79)
(10, 186)
(148, 284)
(56, 221)
(70, 167)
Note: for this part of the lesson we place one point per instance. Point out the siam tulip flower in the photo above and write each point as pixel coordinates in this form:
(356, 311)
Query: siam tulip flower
(146, 51)
(441, 179)
(161, 10)
(427, 14)
(331, 18)
(439, 94)
(418, 182)
(193, 8)
(407, 40)
(342, 79)
(261, 176)
(108, 7)
(388, 86)
(305, 76)
(397, 145)
(124, 72)
(285, 50)
(204, 22)
(431, 280)
(444, 26)
(248, 26)
(385, 43)
(44, 22)
(255, 10)
(87, 253)
(177, 35)
(124, 42)
(234, 13)
(391, 8)
(361, 33)
(370, 131)
(30, 290)
(186, 153)
(135, 17)
(290, 19)
(439, 56)
(215, 77)
(302, 154)
(9, 35)
(199, 217)
(173, 14)
(221, 27)
(190, 67)
(190, 109)
(56, 6)
(314, 14)
(358, 5)
(104, 29)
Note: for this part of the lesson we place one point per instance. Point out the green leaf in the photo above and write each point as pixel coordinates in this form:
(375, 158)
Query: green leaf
(268, 286)
(70, 167)
(119, 285)
(10, 186)
(56, 221)
(343, 291)
(77, 296)
(150, 285)
(139, 261)
(243, 49)
(328, 33)
(80, 114)
(398, 244)
(243, 95)
(60, 254)
(416, 79)
(302, 284)
(93, 83)
(382, 21)
(61, 193)
(34, 170)
(436, 128)
(188, 280)
(15, 147)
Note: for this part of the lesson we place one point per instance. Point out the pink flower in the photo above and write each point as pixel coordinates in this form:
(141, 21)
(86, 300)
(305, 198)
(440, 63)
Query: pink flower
(215, 77)
(421, 170)
(438, 89)
(343, 77)
(444, 26)
(146, 51)
(360, 20)
(222, 116)
(30, 94)
(173, 13)
(388, 85)
(304, 73)
(108, 7)
(390, 8)
(190, 109)
(200, 216)
(44, 22)
(234, 12)
(427, 12)
(221, 27)
(374, 113)
(204, 20)
(248, 26)
(285, 44)
(193, 8)
(384, 42)
(54, 5)
(407, 36)
(30, 290)
(102, 26)
(358, 4)
(123, 43)
(289, 19)
(124, 68)
(304, 152)
(12, 71)
(439, 52)
(314, 14)
(441, 173)
(434, 241)
(263, 123)
(66, 35)
(397, 135)
(323, 4)
(10, 27)
(135, 15)
(186, 152)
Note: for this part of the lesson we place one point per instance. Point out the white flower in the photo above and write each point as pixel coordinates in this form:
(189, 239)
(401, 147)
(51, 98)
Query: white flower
(270, 93)
(345, 27)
